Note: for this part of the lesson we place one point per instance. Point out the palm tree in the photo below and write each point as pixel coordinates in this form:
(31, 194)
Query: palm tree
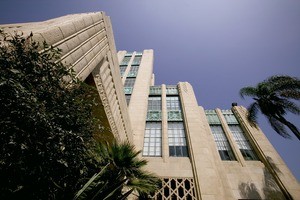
(120, 175)
(275, 97)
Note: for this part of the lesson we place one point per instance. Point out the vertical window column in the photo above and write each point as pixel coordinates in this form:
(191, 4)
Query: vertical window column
(239, 136)
(154, 108)
(124, 63)
(153, 130)
(132, 74)
(223, 146)
(176, 130)
(242, 142)
(128, 85)
(174, 108)
(152, 139)
(177, 140)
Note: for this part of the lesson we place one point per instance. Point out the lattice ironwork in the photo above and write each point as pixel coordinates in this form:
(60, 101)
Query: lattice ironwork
(174, 115)
(128, 90)
(176, 188)
(153, 115)
(132, 74)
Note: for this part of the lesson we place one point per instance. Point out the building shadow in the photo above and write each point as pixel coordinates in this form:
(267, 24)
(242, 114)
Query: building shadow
(249, 191)
(270, 189)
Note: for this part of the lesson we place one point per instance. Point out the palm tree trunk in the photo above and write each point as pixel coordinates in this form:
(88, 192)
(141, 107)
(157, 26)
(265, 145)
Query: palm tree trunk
(291, 126)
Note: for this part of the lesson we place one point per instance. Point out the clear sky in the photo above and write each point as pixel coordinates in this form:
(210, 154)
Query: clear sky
(219, 46)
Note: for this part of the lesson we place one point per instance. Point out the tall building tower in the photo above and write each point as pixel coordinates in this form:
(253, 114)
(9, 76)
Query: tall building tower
(199, 154)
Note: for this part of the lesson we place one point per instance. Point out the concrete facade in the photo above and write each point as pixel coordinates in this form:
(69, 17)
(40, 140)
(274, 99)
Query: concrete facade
(88, 47)
(176, 135)
(210, 176)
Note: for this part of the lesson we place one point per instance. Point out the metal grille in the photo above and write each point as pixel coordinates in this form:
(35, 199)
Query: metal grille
(176, 188)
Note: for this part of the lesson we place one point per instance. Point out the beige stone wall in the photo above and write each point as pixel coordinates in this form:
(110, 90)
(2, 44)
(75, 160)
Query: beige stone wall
(203, 156)
(273, 169)
(166, 166)
(268, 178)
(139, 97)
(88, 46)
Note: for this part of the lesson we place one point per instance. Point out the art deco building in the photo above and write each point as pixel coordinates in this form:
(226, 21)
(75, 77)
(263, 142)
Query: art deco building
(198, 154)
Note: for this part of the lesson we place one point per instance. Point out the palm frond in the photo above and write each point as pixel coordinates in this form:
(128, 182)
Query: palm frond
(144, 182)
(81, 194)
(289, 106)
(248, 91)
(124, 165)
(281, 83)
(278, 127)
(293, 94)
(252, 113)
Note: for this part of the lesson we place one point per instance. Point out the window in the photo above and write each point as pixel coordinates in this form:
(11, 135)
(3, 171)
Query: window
(223, 146)
(152, 139)
(177, 140)
(133, 71)
(242, 142)
(138, 53)
(230, 119)
(154, 109)
(129, 54)
(134, 68)
(155, 90)
(136, 60)
(239, 136)
(125, 60)
(123, 69)
(127, 98)
(212, 117)
(154, 103)
(172, 89)
(173, 103)
(129, 82)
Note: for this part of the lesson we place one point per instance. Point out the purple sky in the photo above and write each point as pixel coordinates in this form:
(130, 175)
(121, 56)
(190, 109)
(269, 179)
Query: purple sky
(219, 46)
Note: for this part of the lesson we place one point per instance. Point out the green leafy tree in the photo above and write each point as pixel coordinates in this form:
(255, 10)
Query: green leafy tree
(120, 175)
(275, 97)
(46, 123)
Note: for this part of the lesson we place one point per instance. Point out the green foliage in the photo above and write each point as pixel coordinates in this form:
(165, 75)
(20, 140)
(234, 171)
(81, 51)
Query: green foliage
(120, 175)
(46, 124)
(275, 97)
